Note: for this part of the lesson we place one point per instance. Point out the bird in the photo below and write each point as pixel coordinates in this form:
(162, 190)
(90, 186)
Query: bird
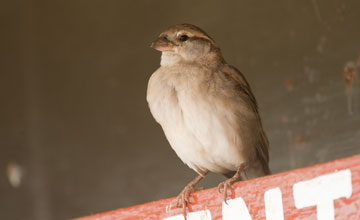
(206, 109)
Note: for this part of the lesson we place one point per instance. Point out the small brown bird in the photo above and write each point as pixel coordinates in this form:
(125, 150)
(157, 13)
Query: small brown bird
(206, 109)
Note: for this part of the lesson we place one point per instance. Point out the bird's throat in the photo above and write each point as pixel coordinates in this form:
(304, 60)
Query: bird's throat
(169, 58)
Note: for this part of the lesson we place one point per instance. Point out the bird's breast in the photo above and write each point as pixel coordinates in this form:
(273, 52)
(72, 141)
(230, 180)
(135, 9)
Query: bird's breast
(200, 128)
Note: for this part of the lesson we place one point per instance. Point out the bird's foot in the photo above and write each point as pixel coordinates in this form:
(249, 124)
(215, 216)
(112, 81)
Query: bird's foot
(183, 198)
(225, 186)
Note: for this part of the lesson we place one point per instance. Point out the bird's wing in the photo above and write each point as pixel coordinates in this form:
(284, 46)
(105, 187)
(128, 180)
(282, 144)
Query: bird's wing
(243, 90)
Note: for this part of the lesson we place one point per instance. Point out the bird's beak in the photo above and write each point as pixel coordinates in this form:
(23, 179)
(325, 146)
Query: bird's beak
(162, 44)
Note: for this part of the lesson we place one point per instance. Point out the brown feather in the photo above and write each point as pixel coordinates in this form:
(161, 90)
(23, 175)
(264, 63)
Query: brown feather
(262, 144)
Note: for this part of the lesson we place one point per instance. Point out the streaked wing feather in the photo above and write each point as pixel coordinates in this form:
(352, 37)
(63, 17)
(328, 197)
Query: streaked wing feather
(262, 144)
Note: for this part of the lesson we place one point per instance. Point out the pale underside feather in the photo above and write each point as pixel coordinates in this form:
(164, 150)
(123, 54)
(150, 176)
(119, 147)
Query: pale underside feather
(210, 118)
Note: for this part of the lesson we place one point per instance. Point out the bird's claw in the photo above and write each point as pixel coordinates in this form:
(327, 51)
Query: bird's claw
(223, 187)
(183, 198)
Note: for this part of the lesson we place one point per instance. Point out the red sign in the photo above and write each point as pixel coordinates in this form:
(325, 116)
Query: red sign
(324, 192)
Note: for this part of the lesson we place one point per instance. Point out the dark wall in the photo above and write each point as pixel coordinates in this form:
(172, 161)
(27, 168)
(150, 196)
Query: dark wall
(76, 135)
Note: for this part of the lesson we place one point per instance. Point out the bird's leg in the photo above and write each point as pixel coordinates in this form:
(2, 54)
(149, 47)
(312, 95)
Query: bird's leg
(227, 184)
(184, 197)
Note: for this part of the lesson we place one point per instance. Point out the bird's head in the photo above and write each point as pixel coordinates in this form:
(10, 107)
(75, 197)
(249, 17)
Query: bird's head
(186, 43)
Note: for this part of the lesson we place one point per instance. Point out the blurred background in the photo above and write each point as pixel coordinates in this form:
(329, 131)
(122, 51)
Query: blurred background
(76, 134)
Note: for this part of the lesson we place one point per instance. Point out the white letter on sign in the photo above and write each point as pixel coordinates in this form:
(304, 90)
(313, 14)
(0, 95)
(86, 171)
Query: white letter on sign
(322, 191)
(273, 204)
(200, 215)
(235, 209)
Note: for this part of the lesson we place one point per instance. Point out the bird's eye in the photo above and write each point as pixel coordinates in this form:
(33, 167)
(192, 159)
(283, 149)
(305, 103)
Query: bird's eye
(184, 37)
